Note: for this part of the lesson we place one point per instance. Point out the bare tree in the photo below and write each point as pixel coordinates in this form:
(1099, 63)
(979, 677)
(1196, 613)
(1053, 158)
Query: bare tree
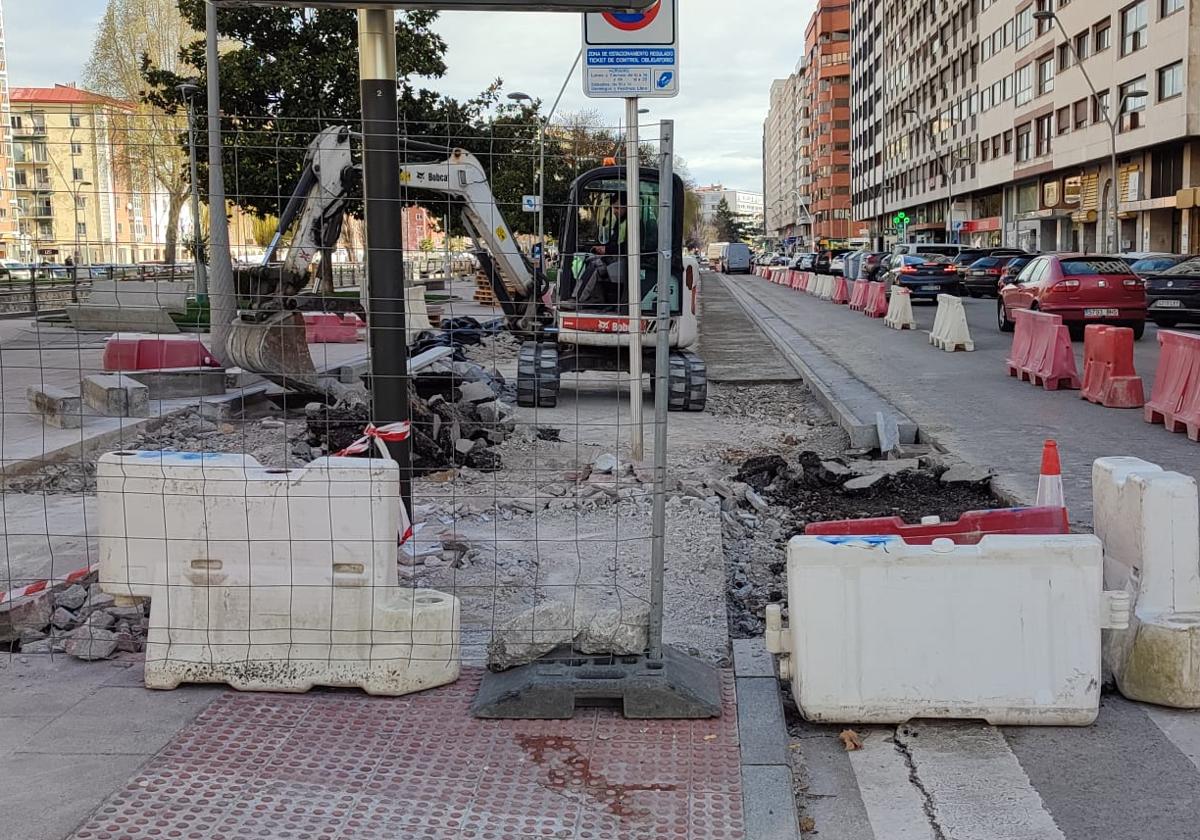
(150, 151)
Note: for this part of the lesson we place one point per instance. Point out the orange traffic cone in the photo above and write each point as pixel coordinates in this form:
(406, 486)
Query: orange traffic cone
(1050, 484)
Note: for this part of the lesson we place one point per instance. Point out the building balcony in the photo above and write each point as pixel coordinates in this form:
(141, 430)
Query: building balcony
(31, 130)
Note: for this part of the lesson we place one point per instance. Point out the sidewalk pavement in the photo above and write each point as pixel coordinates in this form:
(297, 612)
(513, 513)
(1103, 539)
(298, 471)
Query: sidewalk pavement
(340, 764)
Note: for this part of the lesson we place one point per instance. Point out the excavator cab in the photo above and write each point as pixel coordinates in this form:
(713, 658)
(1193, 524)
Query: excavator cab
(594, 272)
(592, 325)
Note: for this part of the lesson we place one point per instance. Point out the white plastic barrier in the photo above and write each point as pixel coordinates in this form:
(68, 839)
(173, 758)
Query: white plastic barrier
(1007, 630)
(950, 330)
(270, 580)
(825, 291)
(900, 312)
(1149, 522)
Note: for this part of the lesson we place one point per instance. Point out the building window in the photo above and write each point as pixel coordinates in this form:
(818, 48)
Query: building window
(80, 202)
(1166, 172)
(1134, 24)
(76, 148)
(1062, 118)
(1170, 7)
(76, 174)
(1024, 85)
(76, 122)
(1064, 56)
(15, 121)
(1100, 107)
(1024, 142)
(996, 146)
(1082, 44)
(1045, 134)
(1008, 142)
(1081, 113)
(20, 178)
(81, 229)
(1046, 75)
(1024, 28)
(1131, 113)
(1170, 81)
(1102, 36)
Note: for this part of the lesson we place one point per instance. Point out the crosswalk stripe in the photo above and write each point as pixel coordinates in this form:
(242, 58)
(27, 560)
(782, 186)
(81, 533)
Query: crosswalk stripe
(894, 805)
(976, 785)
(1181, 727)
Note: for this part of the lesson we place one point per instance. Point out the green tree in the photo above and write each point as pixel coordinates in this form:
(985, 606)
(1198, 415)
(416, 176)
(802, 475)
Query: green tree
(288, 73)
(729, 227)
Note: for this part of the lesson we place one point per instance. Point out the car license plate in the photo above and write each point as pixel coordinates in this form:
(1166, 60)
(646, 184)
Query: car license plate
(931, 288)
(1168, 304)
(1101, 313)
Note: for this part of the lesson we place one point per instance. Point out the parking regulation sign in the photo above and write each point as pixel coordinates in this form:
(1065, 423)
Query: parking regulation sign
(632, 53)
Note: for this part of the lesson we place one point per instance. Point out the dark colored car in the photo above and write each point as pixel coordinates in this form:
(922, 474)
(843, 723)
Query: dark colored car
(924, 276)
(982, 278)
(1081, 288)
(871, 266)
(967, 258)
(1010, 270)
(1156, 264)
(1173, 295)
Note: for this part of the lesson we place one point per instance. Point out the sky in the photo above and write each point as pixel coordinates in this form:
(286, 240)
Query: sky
(728, 60)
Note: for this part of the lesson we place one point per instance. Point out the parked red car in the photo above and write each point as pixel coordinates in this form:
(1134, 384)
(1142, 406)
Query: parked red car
(1082, 289)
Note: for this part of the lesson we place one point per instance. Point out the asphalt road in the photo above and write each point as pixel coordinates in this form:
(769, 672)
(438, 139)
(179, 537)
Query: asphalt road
(968, 403)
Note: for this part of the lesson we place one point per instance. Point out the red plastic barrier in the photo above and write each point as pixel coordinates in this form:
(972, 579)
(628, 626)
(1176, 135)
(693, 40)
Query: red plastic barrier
(1175, 399)
(877, 303)
(1109, 377)
(1043, 355)
(858, 295)
(968, 530)
(841, 290)
(328, 328)
(143, 351)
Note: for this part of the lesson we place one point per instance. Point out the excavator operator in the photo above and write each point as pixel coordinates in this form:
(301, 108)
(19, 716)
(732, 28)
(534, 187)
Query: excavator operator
(609, 265)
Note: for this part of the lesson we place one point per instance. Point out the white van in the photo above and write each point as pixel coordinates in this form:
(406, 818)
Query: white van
(735, 259)
(944, 249)
(714, 252)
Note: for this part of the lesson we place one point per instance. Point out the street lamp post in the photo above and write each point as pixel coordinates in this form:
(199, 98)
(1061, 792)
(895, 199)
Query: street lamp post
(199, 275)
(947, 174)
(75, 260)
(1113, 241)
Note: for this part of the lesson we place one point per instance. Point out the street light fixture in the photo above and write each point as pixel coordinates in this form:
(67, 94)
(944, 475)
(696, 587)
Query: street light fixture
(1113, 244)
(188, 90)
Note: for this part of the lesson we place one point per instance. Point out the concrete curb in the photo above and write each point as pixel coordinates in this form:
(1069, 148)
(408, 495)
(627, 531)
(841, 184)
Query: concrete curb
(851, 403)
(768, 792)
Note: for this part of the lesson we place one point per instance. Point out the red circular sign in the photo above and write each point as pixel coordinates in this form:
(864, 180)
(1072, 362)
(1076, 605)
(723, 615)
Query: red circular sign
(633, 21)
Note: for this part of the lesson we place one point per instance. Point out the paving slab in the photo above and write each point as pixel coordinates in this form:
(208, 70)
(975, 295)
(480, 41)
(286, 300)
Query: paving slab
(342, 764)
(734, 347)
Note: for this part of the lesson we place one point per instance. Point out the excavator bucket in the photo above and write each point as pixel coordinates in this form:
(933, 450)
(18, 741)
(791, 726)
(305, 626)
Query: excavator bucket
(275, 348)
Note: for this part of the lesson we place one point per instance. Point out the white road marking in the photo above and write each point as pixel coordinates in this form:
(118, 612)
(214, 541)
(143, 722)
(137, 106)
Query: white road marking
(976, 785)
(894, 805)
(1182, 728)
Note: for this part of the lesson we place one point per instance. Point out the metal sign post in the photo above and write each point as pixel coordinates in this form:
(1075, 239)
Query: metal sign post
(632, 54)
(633, 240)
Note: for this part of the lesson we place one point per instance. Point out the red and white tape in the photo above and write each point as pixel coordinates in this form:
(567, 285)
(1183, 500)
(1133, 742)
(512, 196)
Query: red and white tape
(380, 436)
(43, 585)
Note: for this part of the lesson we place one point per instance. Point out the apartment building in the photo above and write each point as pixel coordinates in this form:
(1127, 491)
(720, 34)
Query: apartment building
(806, 138)
(10, 244)
(867, 55)
(827, 47)
(1010, 133)
(74, 196)
(781, 161)
(744, 203)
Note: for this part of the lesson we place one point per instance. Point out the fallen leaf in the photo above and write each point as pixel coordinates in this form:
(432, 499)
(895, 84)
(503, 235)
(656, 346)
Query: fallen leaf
(710, 737)
(851, 740)
(807, 824)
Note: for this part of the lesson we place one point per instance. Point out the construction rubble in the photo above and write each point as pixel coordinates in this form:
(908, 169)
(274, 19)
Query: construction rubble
(80, 620)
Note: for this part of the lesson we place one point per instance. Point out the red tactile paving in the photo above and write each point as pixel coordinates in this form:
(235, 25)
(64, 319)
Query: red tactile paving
(344, 766)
